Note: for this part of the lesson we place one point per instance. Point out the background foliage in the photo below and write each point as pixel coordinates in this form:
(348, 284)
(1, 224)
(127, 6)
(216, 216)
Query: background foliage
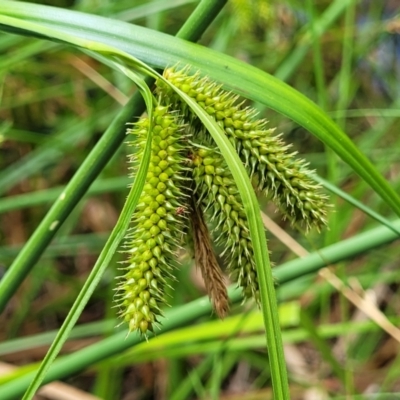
(56, 103)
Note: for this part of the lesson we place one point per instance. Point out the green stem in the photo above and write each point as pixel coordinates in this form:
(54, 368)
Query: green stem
(317, 57)
(117, 343)
(200, 19)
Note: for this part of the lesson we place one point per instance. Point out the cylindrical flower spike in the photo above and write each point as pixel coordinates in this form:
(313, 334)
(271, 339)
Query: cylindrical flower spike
(219, 196)
(157, 225)
(276, 172)
(176, 167)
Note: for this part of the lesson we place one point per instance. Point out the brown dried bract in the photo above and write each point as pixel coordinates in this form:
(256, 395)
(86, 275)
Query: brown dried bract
(207, 262)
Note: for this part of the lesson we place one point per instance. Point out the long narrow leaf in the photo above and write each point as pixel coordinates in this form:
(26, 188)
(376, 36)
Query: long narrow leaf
(161, 50)
(345, 196)
(261, 257)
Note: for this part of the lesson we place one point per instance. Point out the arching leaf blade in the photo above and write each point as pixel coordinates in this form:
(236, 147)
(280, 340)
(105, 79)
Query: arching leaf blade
(161, 50)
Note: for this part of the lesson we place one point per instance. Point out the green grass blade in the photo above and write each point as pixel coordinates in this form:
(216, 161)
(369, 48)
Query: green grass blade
(345, 196)
(161, 50)
(144, 352)
(47, 196)
(68, 365)
(261, 257)
(112, 345)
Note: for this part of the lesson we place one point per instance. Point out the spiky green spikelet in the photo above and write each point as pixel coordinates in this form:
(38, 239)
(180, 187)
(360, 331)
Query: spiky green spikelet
(155, 234)
(275, 171)
(218, 194)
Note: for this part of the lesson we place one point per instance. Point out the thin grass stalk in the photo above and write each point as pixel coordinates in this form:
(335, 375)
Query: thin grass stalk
(348, 42)
(296, 56)
(317, 58)
(73, 363)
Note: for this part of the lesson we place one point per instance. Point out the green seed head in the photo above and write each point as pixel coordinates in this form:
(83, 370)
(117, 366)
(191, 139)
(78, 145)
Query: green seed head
(156, 230)
(277, 172)
(228, 229)
(178, 166)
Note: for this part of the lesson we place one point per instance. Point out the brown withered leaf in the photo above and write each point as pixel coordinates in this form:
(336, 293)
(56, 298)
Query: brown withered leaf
(207, 262)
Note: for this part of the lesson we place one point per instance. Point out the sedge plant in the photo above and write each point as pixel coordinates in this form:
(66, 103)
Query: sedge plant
(200, 159)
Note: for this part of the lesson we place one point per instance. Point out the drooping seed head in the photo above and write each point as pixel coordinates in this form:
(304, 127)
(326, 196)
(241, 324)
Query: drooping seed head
(218, 195)
(156, 226)
(277, 172)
